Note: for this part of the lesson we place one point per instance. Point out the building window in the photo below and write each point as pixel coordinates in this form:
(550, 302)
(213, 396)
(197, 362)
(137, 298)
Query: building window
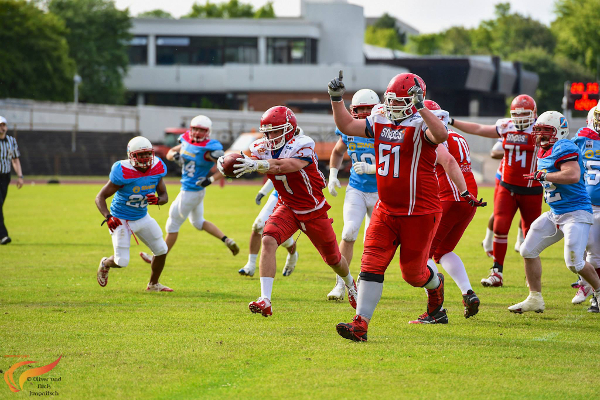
(138, 50)
(291, 51)
(206, 50)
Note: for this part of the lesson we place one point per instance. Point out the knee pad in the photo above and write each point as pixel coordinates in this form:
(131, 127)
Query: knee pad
(162, 249)
(575, 265)
(350, 232)
(172, 226)
(333, 259)
(288, 243)
(420, 280)
(527, 252)
(198, 223)
(258, 226)
(122, 260)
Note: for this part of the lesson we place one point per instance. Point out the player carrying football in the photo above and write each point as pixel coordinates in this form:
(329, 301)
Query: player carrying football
(361, 194)
(514, 192)
(134, 183)
(289, 160)
(561, 172)
(197, 154)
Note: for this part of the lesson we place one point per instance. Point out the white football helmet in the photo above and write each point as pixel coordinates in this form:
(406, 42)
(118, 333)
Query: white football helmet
(203, 122)
(550, 127)
(593, 119)
(137, 152)
(363, 98)
(378, 109)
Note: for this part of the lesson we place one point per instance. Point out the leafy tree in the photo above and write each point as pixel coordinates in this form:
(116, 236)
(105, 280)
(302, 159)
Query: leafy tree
(231, 9)
(386, 21)
(34, 53)
(158, 13)
(98, 37)
(383, 37)
(265, 11)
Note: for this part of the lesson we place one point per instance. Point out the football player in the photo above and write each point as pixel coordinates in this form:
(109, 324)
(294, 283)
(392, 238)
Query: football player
(135, 183)
(289, 160)
(408, 211)
(514, 192)
(561, 172)
(588, 141)
(361, 194)
(257, 231)
(456, 215)
(196, 154)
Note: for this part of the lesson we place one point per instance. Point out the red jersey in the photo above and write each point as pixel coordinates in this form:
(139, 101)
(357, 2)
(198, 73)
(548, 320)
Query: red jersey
(406, 179)
(459, 149)
(519, 154)
(301, 191)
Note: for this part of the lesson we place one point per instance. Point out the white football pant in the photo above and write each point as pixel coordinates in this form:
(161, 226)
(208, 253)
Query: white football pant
(146, 229)
(187, 203)
(357, 204)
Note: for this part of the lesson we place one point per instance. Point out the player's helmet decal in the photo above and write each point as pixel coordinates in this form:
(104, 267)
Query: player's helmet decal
(549, 128)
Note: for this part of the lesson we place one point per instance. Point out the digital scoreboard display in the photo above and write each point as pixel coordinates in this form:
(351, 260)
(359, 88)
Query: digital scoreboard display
(583, 96)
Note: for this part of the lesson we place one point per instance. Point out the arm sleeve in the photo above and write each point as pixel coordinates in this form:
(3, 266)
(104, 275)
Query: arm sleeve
(503, 126)
(267, 187)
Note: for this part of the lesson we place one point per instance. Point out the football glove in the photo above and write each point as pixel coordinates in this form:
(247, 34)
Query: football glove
(536, 176)
(246, 164)
(111, 222)
(333, 181)
(178, 159)
(220, 164)
(417, 95)
(363, 168)
(204, 181)
(472, 199)
(258, 198)
(152, 199)
(336, 87)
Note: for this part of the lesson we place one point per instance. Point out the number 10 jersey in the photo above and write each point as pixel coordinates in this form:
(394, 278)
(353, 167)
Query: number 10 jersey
(360, 149)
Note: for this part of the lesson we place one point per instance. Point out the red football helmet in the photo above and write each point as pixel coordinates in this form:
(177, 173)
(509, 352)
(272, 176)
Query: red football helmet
(278, 118)
(396, 100)
(431, 105)
(523, 111)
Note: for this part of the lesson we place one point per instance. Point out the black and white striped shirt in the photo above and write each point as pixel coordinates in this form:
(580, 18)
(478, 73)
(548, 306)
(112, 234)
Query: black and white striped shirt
(8, 151)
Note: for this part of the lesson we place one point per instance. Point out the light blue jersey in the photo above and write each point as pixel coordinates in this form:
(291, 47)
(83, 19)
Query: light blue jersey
(130, 200)
(360, 149)
(588, 142)
(196, 164)
(564, 198)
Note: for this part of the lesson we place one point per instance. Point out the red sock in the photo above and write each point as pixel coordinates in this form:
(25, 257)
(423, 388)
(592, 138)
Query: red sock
(500, 244)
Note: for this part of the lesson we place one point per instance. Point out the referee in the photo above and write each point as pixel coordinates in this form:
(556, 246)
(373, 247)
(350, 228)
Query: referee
(9, 154)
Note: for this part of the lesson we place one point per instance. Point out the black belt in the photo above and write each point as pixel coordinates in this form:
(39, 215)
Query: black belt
(523, 189)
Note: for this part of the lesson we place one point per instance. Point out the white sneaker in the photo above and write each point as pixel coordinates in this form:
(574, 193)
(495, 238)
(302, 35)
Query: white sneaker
(102, 274)
(146, 257)
(158, 288)
(529, 304)
(290, 264)
(230, 243)
(338, 292)
(493, 280)
(248, 270)
(583, 293)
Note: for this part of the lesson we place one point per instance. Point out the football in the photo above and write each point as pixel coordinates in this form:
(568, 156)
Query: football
(228, 163)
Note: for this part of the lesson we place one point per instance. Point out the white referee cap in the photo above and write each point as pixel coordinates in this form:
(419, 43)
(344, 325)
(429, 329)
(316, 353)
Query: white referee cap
(3, 120)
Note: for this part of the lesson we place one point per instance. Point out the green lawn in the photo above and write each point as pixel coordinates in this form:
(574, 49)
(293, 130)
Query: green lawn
(201, 341)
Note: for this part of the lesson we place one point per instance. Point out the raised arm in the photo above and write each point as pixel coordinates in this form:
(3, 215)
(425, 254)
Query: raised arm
(342, 117)
(474, 128)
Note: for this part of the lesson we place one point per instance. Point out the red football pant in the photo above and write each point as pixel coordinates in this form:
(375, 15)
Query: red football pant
(506, 205)
(283, 223)
(413, 233)
(456, 216)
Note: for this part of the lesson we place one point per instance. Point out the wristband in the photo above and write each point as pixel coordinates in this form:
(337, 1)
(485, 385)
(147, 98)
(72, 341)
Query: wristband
(451, 121)
(336, 98)
(333, 173)
(21, 177)
(263, 166)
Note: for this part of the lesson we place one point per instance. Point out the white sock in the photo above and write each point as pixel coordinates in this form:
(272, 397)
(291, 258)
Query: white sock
(454, 266)
(535, 294)
(288, 243)
(348, 280)
(431, 264)
(266, 287)
(252, 259)
(520, 237)
(488, 241)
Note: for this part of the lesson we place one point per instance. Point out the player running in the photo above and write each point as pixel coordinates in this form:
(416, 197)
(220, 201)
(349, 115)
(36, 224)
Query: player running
(561, 172)
(257, 231)
(134, 183)
(361, 194)
(197, 154)
(457, 213)
(289, 160)
(514, 192)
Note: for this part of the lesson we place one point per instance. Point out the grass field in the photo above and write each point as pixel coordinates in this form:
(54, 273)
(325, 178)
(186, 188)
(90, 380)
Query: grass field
(201, 341)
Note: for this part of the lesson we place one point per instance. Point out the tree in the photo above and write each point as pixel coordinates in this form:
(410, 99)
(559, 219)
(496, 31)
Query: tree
(98, 38)
(265, 11)
(34, 53)
(231, 9)
(383, 38)
(158, 13)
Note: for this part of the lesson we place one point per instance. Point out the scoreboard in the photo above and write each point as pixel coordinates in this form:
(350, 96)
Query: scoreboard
(582, 96)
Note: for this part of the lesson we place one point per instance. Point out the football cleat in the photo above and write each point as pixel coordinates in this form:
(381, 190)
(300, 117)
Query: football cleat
(435, 297)
(352, 294)
(583, 293)
(102, 275)
(471, 303)
(493, 280)
(290, 263)
(158, 288)
(262, 305)
(146, 257)
(529, 304)
(439, 317)
(5, 240)
(248, 270)
(231, 245)
(355, 330)
(338, 291)
(594, 305)
(575, 285)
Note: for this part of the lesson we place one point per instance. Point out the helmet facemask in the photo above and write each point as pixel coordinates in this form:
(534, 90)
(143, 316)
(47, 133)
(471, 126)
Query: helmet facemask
(199, 133)
(361, 111)
(287, 131)
(522, 118)
(397, 112)
(545, 135)
(141, 159)
(596, 120)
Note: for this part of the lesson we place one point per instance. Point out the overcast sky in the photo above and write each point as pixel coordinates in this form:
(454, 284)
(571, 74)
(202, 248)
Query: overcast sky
(427, 16)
